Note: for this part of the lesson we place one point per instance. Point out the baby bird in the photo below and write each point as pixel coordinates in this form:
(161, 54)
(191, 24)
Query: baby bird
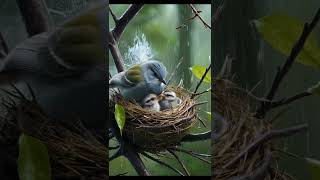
(169, 100)
(151, 102)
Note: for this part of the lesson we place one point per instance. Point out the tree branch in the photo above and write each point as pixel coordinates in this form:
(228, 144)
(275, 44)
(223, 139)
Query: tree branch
(114, 17)
(115, 34)
(132, 155)
(162, 163)
(179, 161)
(34, 16)
(266, 106)
(266, 137)
(4, 50)
(289, 100)
(197, 137)
(190, 152)
(125, 19)
(193, 154)
(201, 80)
(197, 14)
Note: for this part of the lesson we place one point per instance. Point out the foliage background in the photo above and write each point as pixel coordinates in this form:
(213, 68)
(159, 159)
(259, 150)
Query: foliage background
(256, 61)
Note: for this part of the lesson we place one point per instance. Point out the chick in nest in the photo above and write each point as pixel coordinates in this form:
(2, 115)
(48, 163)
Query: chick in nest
(169, 100)
(151, 102)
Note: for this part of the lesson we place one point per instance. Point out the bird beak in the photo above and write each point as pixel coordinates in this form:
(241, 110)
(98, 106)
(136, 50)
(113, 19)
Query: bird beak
(161, 96)
(163, 81)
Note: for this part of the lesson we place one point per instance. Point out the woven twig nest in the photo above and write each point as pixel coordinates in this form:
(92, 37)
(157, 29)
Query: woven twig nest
(238, 129)
(155, 131)
(74, 151)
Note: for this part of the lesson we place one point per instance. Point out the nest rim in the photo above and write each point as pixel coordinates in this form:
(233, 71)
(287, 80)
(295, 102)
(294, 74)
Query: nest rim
(157, 131)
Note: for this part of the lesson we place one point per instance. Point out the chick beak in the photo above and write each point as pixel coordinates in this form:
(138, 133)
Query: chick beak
(161, 97)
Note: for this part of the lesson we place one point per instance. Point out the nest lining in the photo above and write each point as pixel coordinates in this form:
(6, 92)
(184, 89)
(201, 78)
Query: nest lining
(241, 129)
(155, 131)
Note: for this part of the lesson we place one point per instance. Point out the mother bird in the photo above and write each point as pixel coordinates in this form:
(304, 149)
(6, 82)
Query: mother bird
(66, 67)
(140, 80)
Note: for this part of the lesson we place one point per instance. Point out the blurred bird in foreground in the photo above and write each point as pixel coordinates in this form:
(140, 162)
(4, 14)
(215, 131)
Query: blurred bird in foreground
(169, 100)
(66, 67)
(151, 102)
(140, 80)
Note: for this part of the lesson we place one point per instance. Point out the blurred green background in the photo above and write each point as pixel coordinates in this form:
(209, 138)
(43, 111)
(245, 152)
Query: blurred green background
(158, 24)
(255, 61)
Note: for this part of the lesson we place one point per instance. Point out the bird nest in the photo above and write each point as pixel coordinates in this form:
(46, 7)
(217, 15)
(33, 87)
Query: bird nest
(236, 155)
(154, 131)
(74, 151)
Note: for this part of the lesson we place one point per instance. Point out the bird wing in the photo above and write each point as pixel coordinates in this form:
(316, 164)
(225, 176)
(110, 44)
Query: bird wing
(81, 41)
(134, 75)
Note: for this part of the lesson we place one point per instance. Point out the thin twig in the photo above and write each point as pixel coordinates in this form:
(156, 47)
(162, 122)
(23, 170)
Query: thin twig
(193, 154)
(113, 147)
(289, 100)
(162, 163)
(217, 15)
(190, 152)
(197, 14)
(179, 161)
(201, 80)
(200, 93)
(266, 137)
(115, 19)
(264, 107)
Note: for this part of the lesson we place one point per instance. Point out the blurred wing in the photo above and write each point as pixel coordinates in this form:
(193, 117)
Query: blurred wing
(81, 42)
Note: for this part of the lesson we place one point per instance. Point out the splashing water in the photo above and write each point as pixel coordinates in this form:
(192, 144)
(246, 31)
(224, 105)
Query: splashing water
(140, 51)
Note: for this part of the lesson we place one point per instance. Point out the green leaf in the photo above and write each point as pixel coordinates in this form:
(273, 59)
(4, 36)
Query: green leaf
(315, 89)
(314, 168)
(199, 71)
(33, 160)
(120, 116)
(282, 32)
(209, 115)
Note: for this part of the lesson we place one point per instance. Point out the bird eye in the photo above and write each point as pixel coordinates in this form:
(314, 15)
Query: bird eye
(152, 99)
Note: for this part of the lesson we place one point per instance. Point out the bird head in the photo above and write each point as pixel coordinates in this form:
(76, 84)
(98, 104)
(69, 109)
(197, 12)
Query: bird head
(155, 74)
(151, 101)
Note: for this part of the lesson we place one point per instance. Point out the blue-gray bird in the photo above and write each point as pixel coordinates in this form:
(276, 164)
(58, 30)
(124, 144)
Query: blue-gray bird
(65, 67)
(169, 100)
(140, 80)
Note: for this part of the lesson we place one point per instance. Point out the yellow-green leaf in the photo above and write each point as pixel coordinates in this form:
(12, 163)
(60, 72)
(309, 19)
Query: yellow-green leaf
(314, 168)
(33, 160)
(315, 89)
(120, 116)
(199, 71)
(209, 115)
(282, 32)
